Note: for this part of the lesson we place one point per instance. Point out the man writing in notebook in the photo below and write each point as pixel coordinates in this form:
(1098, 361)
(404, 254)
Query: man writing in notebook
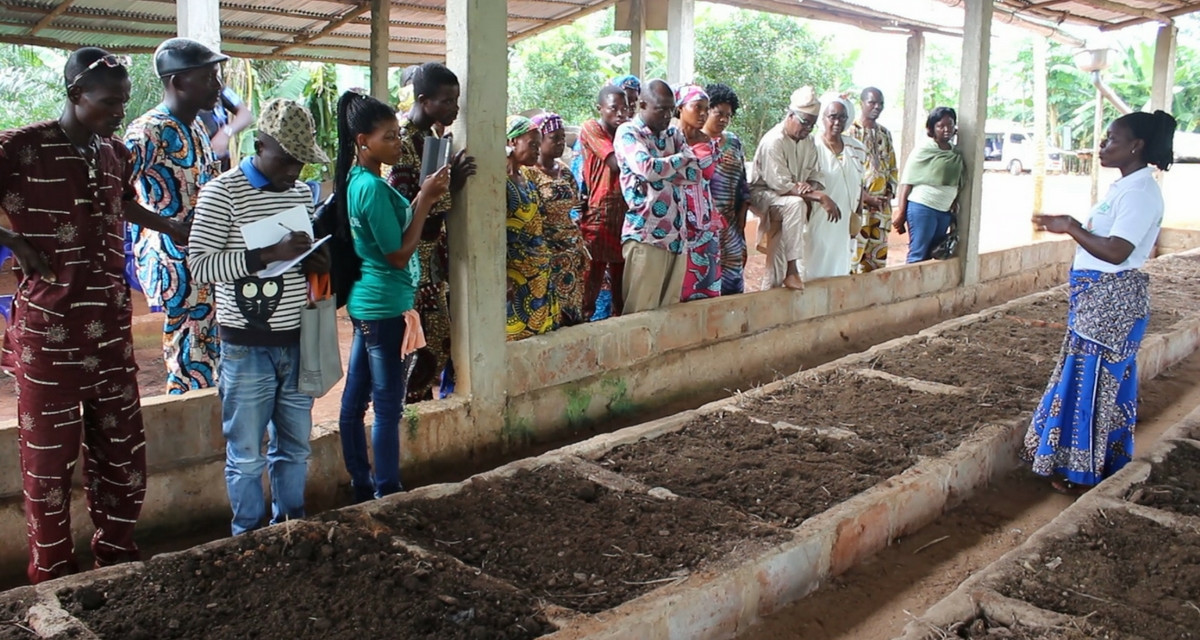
(260, 316)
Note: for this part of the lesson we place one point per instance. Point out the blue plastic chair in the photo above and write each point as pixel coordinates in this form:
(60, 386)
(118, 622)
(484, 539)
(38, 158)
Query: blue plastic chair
(315, 187)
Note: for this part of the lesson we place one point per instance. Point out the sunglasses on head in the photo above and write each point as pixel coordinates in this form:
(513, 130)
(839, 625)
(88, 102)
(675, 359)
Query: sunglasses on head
(111, 61)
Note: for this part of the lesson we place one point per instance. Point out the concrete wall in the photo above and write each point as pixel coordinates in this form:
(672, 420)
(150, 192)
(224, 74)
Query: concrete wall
(576, 379)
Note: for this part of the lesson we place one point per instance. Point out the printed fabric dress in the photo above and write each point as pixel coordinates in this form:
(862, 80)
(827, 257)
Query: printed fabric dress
(730, 192)
(172, 161)
(532, 307)
(568, 255)
(880, 179)
(703, 227)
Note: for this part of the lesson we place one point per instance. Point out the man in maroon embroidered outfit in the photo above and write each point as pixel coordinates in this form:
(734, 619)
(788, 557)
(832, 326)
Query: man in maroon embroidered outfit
(65, 188)
(604, 216)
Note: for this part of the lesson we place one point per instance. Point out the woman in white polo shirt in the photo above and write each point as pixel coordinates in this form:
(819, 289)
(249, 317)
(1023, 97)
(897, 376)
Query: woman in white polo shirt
(1082, 432)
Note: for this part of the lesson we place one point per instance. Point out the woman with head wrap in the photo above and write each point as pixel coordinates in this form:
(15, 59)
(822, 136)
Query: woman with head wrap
(729, 188)
(702, 223)
(532, 308)
(828, 247)
(559, 194)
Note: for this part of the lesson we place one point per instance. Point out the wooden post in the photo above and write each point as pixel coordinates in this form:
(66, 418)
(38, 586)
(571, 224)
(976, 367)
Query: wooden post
(637, 38)
(1040, 127)
(681, 41)
(1162, 92)
(913, 113)
(1097, 134)
(972, 113)
(381, 14)
(200, 20)
(478, 53)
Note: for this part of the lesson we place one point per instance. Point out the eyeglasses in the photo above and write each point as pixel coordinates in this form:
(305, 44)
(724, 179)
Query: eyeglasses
(837, 118)
(804, 119)
(111, 61)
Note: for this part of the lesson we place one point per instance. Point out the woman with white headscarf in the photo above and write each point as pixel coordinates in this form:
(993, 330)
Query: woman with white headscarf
(828, 245)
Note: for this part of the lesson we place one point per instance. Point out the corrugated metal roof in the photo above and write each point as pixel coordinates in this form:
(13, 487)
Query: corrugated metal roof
(339, 30)
(1107, 15)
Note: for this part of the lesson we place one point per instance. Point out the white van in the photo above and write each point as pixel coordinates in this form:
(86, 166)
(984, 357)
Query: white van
(1009, 147)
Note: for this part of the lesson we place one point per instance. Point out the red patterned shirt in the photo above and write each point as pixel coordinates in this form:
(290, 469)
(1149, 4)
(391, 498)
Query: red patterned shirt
(601, 222)
(70, 339)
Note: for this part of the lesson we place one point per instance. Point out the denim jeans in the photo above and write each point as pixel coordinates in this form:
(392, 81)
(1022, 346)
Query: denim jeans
(926, 229)
(376, 373)
(259, 397)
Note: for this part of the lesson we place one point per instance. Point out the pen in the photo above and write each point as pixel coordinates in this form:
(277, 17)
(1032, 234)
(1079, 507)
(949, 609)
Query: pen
(286, 227)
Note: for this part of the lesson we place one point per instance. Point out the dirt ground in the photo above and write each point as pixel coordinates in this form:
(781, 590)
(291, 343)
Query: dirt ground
(876, 599)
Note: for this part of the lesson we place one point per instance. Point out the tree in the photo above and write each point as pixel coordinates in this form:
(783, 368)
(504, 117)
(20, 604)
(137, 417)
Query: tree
(764, 58)
(31, 85)
(559, 71)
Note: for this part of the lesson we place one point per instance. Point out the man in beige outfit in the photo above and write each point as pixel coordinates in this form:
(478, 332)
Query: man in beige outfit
(784, 179)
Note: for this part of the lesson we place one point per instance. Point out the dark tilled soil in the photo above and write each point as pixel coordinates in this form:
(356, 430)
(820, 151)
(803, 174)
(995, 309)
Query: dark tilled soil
(306, 583)
(1130, 575)
(984, 628)
(1174, 484)
(574, 542)
(13, 610)
(1006, 337)
(1019, 376)
(1050, 310)
(781, 476)
(1174, 291)
(885, 414)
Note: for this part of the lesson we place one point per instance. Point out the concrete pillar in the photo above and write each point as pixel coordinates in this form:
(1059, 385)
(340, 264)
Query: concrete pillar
(1040, 127)
(637, 38)
(914, 114)
(681, 41)
(478, 53)
(972, 113)
(1162, 92)
(200, 20)
(381, 14)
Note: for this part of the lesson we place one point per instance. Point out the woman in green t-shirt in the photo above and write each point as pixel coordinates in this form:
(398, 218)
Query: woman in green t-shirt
(385, 229)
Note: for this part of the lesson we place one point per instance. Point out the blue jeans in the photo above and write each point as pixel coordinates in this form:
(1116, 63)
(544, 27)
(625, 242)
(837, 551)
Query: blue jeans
(376, 373)
(926, 229)
(259, 397)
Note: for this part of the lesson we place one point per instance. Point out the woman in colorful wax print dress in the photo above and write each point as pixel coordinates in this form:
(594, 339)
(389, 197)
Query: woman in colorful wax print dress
(559, 194)
(829, 245)
(928, 197)
(702, 223)
(729, 187)
(532, 306)
(385, 228)
(1082, 432)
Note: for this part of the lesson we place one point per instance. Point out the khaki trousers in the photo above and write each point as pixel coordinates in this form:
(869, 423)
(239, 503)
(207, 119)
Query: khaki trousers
(653, 277)
(781, 234)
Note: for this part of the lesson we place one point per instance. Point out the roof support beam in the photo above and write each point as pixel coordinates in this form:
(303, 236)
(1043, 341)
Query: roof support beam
(972, 114)
(1162, 92)
(637, 38)
(478, 53)
(681, 41)
(1173, 13)
(381, 12)
(50, 17)
(913, 92)
(1117, 7)
(200, 20)
(329, 28)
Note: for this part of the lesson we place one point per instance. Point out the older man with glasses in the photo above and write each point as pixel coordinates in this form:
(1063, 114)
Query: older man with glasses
(784, 179)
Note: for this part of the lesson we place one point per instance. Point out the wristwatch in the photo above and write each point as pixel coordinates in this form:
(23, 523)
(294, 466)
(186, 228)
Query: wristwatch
(227, 130)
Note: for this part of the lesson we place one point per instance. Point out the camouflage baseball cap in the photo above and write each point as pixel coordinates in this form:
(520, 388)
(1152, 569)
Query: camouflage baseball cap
(291, 125)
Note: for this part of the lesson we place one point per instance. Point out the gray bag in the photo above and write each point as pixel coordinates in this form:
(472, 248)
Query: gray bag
(320, 354)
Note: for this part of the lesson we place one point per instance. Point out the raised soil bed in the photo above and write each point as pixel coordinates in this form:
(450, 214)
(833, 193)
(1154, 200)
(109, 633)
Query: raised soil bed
(1127, 574)
(781, 475)
(327, 578)
(1174, 484)
(575, 542)
(1016, 375)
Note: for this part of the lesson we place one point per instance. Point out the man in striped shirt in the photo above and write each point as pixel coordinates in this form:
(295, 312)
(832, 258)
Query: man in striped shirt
(260, 317)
